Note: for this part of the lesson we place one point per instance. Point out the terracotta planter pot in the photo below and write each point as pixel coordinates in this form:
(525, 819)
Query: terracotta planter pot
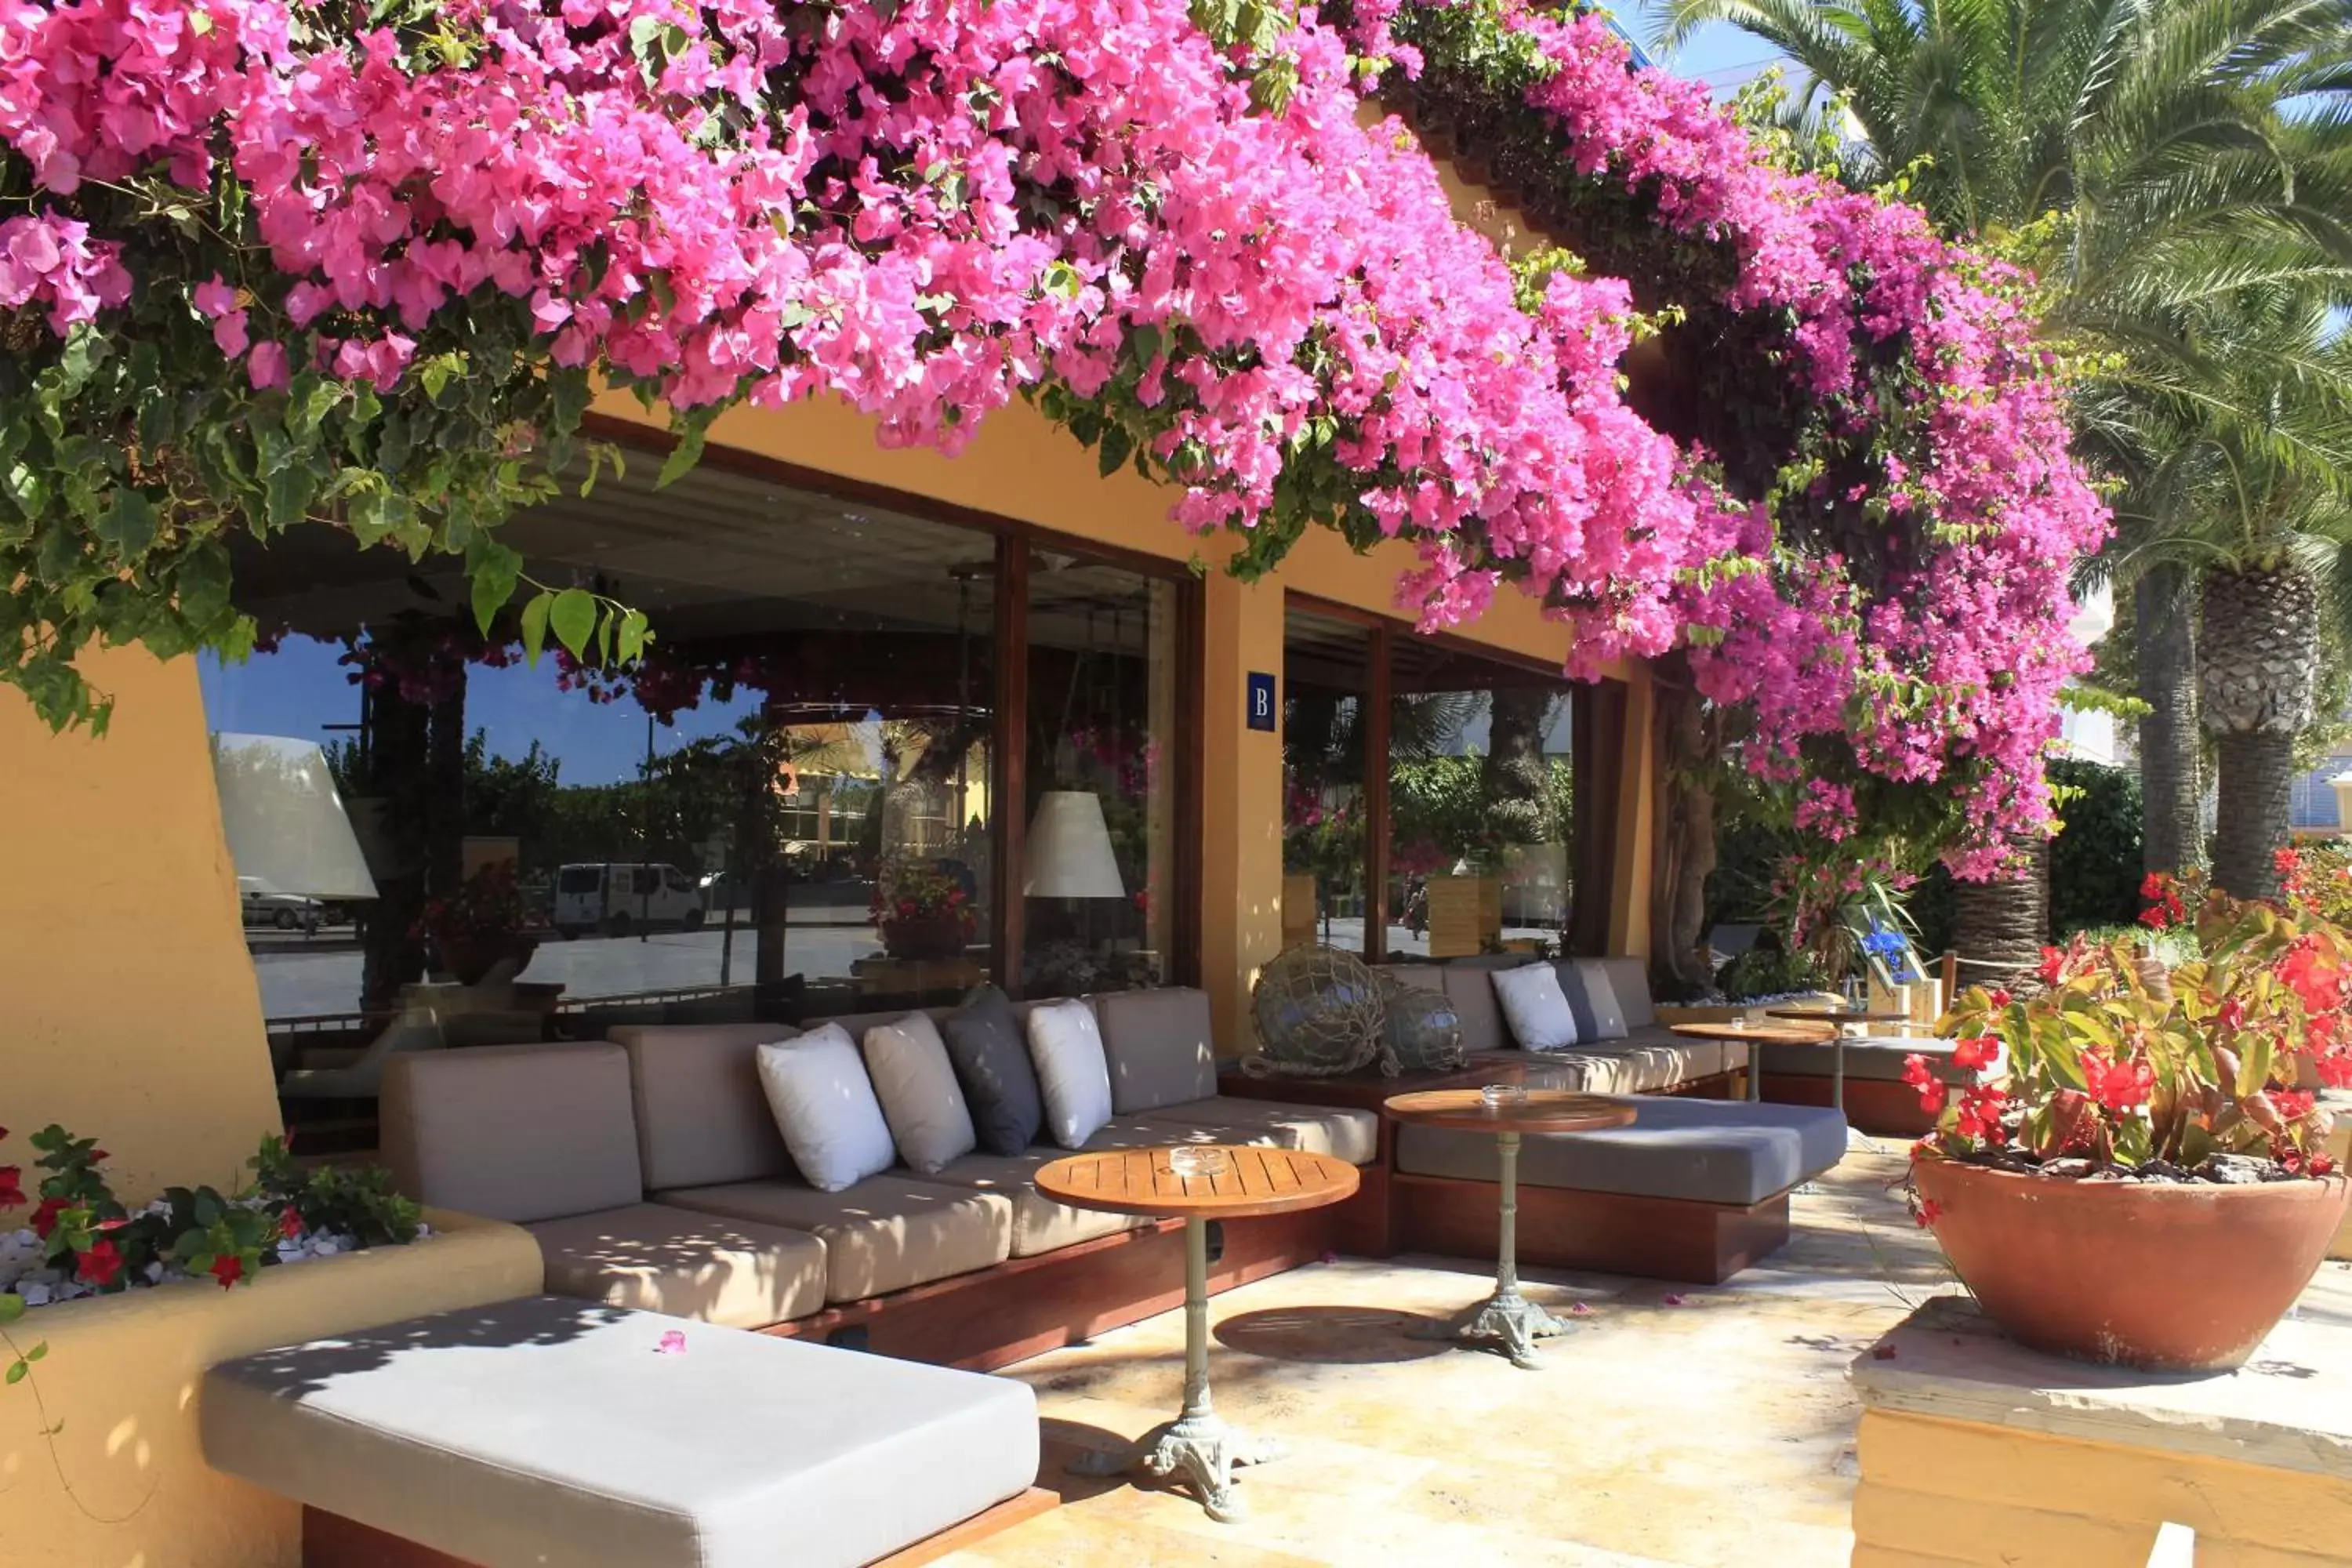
(2168, 1277)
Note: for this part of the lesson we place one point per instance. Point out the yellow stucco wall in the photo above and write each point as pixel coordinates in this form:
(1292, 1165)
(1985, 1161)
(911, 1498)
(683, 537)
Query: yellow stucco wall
(122, 1483)
(129, 1011)
(1938, 1493)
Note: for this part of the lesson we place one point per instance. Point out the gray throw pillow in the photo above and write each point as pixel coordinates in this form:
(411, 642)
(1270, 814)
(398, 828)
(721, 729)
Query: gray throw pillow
(991, 1053)
(1592, 998)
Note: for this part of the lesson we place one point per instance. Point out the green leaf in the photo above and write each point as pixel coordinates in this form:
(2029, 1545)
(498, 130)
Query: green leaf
(496, 571)
(634, 636)
(130, 524)
(38, 1351)
(534, 626)
(574, 619)
(685, 455)
(17, 1371)
(1116, 445)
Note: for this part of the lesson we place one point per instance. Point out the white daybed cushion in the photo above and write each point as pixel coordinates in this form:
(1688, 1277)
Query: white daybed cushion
(825, 1106)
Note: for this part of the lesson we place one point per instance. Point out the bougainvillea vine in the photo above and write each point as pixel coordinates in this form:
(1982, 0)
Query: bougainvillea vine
(265, 265)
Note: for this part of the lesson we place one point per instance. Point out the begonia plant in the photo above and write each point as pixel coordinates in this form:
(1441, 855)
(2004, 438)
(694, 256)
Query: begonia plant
(2125, 1064)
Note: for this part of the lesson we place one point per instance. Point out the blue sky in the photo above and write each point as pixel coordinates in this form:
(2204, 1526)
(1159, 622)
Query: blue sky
(1722, 57)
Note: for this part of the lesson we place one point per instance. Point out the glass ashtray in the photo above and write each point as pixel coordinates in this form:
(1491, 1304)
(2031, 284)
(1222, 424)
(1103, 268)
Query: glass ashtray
(1188, 1162)
(1504, 1096)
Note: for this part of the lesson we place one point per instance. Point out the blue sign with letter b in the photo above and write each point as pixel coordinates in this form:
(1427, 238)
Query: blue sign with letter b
(1261, 700)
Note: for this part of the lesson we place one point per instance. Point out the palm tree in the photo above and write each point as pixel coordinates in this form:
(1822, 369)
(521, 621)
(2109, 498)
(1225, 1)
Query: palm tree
(2269, 535)
(2161, 164)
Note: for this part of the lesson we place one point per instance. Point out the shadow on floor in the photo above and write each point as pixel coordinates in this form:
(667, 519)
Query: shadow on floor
(1335, 1335)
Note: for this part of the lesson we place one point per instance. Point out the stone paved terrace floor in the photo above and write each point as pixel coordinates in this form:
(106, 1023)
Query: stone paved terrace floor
(1679, 1425)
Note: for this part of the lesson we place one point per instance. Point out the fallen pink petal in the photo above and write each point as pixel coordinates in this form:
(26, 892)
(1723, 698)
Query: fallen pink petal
(672, 1343)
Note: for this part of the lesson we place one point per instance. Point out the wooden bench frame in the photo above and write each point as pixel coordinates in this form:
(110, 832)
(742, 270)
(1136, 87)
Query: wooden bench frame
(333, 1541)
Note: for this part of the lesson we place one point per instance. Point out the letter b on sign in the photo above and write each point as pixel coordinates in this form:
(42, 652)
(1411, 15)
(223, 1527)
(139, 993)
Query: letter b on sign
(1261, 701)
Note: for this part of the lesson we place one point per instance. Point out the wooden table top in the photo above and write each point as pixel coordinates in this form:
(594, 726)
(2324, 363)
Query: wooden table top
(1762, 1034)
(1543, 1110)
(1838, 1014)
(1256, 1181)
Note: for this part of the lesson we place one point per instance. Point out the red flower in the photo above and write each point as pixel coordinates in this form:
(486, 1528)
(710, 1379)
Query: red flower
(1975, 1053)
(11, 1194)
(2153, 917)
(1928, 1211)
(289, 1223)
(100, 1264)
(2120, 1087)
(2053, 963)
(1980, 1116)
(45, 1218)
(1921, 1077)
(1998, 997)
(228, 1269)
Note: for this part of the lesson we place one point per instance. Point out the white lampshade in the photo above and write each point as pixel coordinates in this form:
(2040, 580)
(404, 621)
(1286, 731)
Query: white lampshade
(286, 826)
(1069, 854)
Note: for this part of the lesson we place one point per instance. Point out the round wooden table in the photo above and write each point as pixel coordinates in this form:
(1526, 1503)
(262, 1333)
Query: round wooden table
(1756, 1035)
(1254, 1182)
(1839, 1019)
(1507, 1317)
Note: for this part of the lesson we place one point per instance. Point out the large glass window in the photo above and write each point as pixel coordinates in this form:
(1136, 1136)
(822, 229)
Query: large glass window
(1099, 906)
(1326, 705)
(785, 810)
(1481, 805)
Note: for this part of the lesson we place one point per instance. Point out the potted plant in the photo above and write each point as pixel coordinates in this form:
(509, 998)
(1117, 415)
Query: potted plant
(2137, 1186)
(479, 924)
(926, 913)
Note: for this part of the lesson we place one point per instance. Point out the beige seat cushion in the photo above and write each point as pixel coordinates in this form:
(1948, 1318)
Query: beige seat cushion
(887, 1233)
(1350, 1135)
(1039, 1224)
(513, 1132)
(655, 1258)
(1471, 989)
(1158, 1046)
(702, 1117)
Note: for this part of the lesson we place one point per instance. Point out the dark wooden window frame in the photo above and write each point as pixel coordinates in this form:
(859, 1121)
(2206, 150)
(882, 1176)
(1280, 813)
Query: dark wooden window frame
(1596, 738)
(1009, 767)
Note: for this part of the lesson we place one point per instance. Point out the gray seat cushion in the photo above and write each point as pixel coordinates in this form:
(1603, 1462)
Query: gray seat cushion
(1159, 1047)
(887, 1233)
(1878, 1056)
(1350, 1135)
(1629, 1067)
(655, 1258)
(545, 1431)
(1707, 1150)
(1629, 978)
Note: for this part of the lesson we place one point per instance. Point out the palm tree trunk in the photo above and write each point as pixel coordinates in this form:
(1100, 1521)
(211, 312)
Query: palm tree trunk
(2165, 629)
(1999, 927)
(1684, 854)
(2257, 778)
(2257, 678)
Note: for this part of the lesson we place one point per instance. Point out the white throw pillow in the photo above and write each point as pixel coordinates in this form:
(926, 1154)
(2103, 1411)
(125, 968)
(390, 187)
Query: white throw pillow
(1074, 1074)
(1535, 1007)
(1600, 1000)
(915, 1083)
(825, 1106)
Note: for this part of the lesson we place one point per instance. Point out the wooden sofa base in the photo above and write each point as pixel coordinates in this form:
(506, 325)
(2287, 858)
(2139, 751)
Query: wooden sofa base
(1028, 1306)
(331, 1541)
(1655, 1238)
(1879, 1107)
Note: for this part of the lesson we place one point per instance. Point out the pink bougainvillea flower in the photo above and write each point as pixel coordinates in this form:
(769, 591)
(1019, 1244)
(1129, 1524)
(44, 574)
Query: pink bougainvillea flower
(673, 1343)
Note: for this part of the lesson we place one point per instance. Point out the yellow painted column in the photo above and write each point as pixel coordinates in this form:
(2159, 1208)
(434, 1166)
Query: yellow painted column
(1633, 860)
(128, 1010)
(1241, 809)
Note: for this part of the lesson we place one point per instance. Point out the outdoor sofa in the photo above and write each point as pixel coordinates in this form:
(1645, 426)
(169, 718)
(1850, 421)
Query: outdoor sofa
(1696, 1189)
(652, 1172)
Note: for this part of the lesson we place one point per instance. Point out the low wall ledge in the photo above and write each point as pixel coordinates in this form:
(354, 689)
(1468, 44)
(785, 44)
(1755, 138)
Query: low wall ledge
(2289, 1407)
